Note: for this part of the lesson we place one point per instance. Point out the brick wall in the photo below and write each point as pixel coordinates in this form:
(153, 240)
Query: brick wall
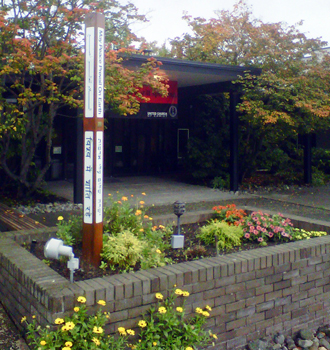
(252, 293)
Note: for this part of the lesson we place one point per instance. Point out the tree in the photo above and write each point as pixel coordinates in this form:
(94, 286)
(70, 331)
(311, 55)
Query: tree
(290, 97)
(42, 70)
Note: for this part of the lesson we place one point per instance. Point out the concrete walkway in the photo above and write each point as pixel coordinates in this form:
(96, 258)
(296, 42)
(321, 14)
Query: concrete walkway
(158, 190)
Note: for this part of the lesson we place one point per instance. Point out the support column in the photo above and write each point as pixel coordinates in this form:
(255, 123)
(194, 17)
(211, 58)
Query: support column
(308, 159)
(234, 98)
(93, 138)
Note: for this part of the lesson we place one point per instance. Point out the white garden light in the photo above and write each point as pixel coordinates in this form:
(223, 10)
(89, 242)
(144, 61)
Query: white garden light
(55, 248)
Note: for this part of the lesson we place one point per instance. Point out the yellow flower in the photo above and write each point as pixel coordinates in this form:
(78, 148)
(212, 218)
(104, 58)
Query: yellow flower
(66, 348)
(98, 330)
(132, 195)
(76, 309)
(178, 292)
(59, 321)
(69, 344)
(124, 199)
(43, 342)
(60, 218)
(102, 302)
(154, 343)
(141, 230)
(34, 316)
(143, 194)
(205, 313)
(150, 219)
(122, 330)
(189, 348)
(23, 319)
(142, 323)
(96, 341)
(159, 296)
(161, 226)
(138, 212)
(109, 194)
(158, 251)
(146, 216)
(130, 332)
(142, 202)
(179, 309)
(70, 325)
(185, 294)
(214, 336)
(119, 202)
(207, 307)
(162, 310)
(81, 300)
(199, 310)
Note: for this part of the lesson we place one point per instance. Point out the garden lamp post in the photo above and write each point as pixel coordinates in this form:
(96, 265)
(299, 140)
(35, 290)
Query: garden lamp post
(178, 240)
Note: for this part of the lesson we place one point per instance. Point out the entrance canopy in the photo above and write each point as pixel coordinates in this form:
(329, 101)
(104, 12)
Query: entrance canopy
(196, 77)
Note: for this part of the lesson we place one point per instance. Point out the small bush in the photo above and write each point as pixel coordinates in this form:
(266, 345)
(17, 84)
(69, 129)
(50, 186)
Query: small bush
(70, 232)
(124, 250)
(166, 326)
(227, 236)
(299, 234)
(77, 332)
(229, 213)
(262, 227)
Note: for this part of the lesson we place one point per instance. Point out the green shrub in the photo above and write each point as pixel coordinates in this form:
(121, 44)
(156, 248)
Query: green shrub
(166, 326)
(80, 331)
(228, 236)
(124, 249)
(70, 231)
(299, 234)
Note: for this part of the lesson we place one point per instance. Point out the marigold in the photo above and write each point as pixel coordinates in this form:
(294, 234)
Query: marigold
(60, 218)
(199, 310)
(66, 348)
(143, 194)
(124, 199)
(142, 323)
(122, 330)
(158, 251)
(207, 307)
(142, 202)
(138, 212)
(76, 309)
(179, 309)
(189, 348)
(162, 310)
(43, 342)
(205, 313)
(185, 294)
(102, 302)
(98, 330)
(23, 319)
(159, 296)
(96, 341)
(130, 332)
(178, 292)
(81, 300)
(59, 321)
(69, 344)
(154, 343)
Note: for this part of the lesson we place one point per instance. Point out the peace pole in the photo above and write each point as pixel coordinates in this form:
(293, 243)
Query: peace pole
(93, 138)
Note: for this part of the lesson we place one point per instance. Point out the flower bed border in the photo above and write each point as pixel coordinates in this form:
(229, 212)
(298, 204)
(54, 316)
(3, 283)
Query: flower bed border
(252, 293)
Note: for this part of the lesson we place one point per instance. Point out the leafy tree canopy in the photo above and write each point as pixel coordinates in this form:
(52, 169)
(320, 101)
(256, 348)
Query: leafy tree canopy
(42, 70)
(292, 91)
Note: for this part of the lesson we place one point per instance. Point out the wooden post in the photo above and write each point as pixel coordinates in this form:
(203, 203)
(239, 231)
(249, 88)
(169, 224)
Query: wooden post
(93, 138)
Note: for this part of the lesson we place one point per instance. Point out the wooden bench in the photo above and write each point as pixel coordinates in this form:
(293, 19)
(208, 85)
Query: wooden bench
(15, 221)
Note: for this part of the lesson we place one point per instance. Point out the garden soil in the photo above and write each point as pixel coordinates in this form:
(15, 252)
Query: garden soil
(309, 202)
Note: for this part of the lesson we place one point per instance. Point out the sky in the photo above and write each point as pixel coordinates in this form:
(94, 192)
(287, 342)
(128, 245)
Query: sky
(166, 15)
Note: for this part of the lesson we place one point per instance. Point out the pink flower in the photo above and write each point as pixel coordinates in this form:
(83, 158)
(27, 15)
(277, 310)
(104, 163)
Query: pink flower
(249, 223)
(255, 232)
(258, 223)
(260, 239)
(247, 235)
(259, 228)
(251, 228)
(270, 234)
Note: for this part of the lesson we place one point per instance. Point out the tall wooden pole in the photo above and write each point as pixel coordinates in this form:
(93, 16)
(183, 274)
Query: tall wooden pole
(93, 138)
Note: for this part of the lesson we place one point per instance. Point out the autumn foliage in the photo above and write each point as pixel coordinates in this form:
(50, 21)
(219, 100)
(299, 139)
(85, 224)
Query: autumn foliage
(42, 70)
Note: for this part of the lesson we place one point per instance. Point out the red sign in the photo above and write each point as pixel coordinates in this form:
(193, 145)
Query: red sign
(172, 97)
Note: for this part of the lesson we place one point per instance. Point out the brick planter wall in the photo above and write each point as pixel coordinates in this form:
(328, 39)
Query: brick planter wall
(252, 293)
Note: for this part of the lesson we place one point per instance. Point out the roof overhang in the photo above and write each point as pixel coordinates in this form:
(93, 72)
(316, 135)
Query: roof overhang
(194, 74)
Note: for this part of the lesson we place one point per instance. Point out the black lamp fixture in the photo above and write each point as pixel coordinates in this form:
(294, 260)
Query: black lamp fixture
(177, 241)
